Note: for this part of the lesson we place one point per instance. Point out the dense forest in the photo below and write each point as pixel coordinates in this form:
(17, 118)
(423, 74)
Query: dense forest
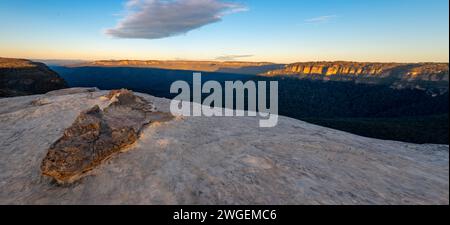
(376, 111)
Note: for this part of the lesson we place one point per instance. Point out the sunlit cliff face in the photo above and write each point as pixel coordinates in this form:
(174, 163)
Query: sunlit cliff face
(425, 71)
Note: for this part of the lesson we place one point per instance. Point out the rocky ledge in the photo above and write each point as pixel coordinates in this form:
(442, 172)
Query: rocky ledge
(127, 154)
(20, 77)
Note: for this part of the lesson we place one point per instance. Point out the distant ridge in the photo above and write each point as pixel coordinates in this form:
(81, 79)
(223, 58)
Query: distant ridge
(203, 66)
(432, 77)
(60, 62)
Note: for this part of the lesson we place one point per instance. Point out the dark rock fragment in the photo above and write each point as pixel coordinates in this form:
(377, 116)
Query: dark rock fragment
(97, 134)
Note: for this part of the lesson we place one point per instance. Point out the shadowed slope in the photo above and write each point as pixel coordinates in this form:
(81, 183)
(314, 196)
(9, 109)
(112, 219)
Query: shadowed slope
(20, 77)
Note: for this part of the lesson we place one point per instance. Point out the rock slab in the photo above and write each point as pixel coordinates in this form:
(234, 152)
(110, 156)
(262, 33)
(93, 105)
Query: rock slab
(97, 134)
(217, 160)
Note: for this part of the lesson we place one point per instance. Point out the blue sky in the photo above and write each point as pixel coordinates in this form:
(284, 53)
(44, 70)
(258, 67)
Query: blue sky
(251, 30)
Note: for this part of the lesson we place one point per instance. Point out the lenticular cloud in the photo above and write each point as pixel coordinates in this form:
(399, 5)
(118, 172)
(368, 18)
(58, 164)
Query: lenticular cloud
(154, 19)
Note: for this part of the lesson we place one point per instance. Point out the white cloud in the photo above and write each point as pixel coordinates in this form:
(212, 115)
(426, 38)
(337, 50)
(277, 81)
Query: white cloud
(232, 57)
(154, 19)
(320, 19)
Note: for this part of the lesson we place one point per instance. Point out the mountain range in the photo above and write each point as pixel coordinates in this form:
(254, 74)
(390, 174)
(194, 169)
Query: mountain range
(425, 76)
(404, 102)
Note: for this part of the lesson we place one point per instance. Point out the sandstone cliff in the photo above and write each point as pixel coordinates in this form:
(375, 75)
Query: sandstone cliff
(23, 77)
(211, 160)
(420, 71)
(397, 74)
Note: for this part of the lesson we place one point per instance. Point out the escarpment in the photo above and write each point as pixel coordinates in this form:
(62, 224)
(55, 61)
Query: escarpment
(97, 134)
(20, 77)
(399, 75)
(422, 71)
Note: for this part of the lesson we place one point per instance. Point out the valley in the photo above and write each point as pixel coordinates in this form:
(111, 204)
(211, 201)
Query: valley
(410, 115)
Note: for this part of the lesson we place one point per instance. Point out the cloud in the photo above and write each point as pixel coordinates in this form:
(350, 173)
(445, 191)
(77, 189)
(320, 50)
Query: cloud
(232, 57)
(320, 19)
(154, 19)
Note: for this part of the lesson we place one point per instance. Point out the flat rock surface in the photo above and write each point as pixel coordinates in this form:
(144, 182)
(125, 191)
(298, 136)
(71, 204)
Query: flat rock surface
(200, 160)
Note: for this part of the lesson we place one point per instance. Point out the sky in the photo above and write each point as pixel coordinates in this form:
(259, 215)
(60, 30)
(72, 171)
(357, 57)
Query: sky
(245, 30)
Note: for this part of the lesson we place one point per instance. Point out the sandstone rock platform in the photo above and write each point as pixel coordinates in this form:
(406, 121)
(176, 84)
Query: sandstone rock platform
(200, 160)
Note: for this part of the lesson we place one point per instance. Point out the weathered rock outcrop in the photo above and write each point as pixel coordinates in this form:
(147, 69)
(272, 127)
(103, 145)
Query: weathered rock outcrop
(418, 75)
(97, 134)
(214, 160)
(20, 77)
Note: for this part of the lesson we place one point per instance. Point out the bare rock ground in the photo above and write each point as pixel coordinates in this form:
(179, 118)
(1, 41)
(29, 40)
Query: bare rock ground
(199, 160)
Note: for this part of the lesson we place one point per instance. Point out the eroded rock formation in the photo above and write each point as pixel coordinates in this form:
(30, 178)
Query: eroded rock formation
(422, 71)
(97, 134)
(20, 77)
(433, 77)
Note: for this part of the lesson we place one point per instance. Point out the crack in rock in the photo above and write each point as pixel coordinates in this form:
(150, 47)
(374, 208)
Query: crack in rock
(97, 134)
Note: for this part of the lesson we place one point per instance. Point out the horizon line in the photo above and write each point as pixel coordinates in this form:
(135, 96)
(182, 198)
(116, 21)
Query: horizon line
(236, 61)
